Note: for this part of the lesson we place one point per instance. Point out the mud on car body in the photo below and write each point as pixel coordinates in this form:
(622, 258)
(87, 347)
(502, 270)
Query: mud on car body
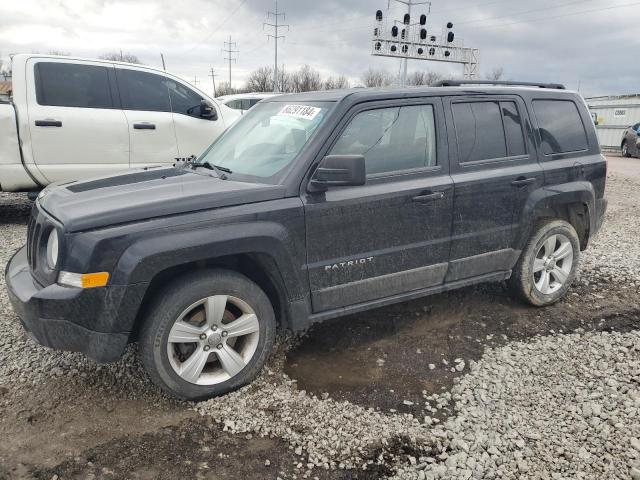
(312, 206)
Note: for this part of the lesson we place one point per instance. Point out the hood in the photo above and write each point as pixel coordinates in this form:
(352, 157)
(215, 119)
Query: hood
(144, 194)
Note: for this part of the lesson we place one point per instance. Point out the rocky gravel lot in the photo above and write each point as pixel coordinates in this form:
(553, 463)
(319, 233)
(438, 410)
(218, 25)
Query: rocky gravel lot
(464, 385)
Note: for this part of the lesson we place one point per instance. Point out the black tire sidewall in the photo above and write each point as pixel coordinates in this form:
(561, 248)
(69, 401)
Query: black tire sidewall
(173, 301)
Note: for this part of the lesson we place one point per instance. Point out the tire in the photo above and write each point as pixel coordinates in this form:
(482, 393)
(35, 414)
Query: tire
(528, 277)
(196, 313)
(625, 150)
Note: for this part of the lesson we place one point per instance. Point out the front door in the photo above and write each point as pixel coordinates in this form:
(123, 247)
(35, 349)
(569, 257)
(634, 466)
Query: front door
(494, 168)
(77, 127)
(146, 104)
(391, 235)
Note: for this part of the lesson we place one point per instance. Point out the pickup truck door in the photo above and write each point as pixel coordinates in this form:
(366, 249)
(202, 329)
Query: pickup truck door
(195, 132)
(147, 107)
(76, 126)
(391, 235)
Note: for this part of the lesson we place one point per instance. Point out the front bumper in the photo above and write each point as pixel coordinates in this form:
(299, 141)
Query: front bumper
(95, 321)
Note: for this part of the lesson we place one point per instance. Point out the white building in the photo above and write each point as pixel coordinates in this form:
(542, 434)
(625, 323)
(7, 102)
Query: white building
(612, 116)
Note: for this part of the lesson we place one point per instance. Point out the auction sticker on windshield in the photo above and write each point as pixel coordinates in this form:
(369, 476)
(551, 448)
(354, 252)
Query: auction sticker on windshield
(300, 111)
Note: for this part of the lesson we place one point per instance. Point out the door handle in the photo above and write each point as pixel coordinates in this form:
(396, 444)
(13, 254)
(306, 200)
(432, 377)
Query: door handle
(48, 123)
(523, 182)
(428, 197)
(144, 126)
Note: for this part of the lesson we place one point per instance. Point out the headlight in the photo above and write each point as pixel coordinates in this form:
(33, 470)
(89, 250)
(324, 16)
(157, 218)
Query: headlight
(52, 249)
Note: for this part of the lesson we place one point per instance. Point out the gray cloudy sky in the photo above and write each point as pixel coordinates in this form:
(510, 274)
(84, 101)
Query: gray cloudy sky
(593, 44)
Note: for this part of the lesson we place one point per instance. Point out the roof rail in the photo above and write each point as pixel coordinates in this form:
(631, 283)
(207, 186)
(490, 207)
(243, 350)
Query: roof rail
(458, 83)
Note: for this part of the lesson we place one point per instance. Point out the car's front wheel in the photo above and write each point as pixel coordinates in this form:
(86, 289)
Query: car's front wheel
(625, 150)
(548, 264)
(207, 334)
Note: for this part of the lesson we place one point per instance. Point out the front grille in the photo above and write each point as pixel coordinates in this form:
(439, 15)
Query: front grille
(38, 226)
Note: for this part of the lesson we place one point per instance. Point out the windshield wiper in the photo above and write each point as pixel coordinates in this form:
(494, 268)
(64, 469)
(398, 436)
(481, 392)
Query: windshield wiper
(215, 168)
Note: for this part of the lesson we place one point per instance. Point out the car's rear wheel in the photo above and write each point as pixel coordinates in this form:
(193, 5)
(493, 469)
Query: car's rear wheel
(625, 150)
(548, 264)
(207, 334)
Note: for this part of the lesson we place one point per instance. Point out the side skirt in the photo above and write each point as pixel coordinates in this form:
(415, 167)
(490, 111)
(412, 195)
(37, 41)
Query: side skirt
(403, 297)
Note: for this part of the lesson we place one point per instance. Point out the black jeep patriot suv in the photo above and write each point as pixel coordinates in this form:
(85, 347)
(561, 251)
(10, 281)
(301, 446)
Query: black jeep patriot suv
(312, 206)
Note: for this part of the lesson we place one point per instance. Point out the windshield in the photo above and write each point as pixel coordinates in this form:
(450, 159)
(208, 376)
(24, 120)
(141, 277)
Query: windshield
(266, 140)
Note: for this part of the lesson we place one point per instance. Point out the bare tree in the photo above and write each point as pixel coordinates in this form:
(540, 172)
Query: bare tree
(284, 80)
(377, 78)
(260, 80)
(495, 74)
(423, 78)
(306, 79)
(120, 57)
(5, 68)
(335, 83)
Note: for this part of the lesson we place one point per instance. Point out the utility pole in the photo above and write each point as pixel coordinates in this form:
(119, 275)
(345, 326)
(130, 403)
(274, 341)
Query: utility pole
(195, 81)
(229, 50)
(277, 25)
(404, 61)
(213, 76)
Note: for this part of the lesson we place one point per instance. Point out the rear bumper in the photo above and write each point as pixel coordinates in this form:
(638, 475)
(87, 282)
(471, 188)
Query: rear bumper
(73, 319)
(601, 210)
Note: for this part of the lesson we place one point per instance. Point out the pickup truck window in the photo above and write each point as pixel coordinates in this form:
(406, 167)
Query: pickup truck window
(143, 91)
(72, 85)
(265, 141)
(183, 99)
(391, 139)
(561, 129)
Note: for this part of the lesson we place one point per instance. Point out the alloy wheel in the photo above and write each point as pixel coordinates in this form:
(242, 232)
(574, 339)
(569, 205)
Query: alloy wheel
(552, 264)
(213, 340)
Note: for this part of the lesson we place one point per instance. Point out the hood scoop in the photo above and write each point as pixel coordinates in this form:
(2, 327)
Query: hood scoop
(128, 179)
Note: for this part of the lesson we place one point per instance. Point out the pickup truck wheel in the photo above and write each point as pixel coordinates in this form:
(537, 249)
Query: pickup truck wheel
(625, 150)
(548, 264)
(208, 333)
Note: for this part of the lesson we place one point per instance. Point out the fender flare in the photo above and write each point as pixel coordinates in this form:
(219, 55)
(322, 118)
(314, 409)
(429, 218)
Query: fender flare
(543, 202)
(141, 261)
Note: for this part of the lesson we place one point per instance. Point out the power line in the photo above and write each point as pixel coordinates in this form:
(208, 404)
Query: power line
(523, 13)
(275, 26)
(229, 50)
(218, 27)
(553, 17)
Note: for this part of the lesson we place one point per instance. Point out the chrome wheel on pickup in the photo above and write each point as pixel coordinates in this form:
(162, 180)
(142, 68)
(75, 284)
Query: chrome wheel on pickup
(548, 264)
(208, 333)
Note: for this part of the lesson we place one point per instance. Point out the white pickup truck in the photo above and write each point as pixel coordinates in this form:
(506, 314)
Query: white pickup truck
(72, 118)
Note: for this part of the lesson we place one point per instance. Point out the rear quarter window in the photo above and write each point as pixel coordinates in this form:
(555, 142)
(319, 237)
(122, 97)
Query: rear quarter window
(560, 125)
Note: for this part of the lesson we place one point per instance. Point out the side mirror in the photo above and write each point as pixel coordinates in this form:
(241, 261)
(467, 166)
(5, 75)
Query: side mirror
(207, 110)
(338, 171)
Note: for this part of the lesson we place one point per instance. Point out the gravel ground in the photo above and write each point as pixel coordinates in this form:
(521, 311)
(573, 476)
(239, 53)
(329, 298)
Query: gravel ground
(549, 405)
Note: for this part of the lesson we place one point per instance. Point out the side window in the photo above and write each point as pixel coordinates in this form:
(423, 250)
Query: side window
(235, 104)
(143, 91)
(479, 131)
(391, 139)
(513, 129)
(72, 85)
(560, 125)
(183, 99)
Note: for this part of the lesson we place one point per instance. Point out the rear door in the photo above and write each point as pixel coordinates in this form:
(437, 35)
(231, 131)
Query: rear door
(146, 105)
(494, 169)
(391, 235)
(76, 125)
